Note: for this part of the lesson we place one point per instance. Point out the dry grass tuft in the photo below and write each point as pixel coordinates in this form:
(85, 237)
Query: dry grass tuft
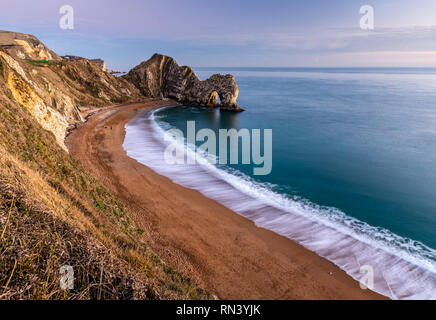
(53, 213)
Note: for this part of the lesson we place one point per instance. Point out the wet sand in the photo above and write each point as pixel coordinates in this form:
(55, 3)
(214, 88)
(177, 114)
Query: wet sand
(219, 250)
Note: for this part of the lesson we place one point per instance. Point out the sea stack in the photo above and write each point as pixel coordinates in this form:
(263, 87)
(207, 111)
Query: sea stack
(162, 77)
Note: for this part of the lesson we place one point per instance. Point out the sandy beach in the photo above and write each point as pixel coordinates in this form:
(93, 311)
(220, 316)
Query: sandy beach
(221, 251)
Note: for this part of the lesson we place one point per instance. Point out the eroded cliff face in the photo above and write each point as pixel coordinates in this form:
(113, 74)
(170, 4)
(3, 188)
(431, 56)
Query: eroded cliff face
(99, 62)
(53, 91)
(162, 77)
(47, 197)
(25, 46)
(28, 94)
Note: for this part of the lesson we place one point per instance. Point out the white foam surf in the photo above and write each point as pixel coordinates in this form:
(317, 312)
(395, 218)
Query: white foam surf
(403, 268)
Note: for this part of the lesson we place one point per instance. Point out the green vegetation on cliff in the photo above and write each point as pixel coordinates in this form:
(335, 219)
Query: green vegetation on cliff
(53, 213)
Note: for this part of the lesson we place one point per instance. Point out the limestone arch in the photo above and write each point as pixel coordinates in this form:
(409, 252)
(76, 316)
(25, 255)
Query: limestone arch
(213, 98)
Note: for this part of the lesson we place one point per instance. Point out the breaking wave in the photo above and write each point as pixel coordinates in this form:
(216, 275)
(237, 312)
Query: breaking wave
(403, 268)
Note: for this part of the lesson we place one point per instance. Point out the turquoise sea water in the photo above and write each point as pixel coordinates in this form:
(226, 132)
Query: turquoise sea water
(354, 150)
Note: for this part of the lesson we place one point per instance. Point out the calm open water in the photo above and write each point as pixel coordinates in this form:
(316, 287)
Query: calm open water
(354, 165)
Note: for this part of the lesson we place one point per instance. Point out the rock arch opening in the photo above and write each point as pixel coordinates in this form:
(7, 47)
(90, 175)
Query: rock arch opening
(215, 99)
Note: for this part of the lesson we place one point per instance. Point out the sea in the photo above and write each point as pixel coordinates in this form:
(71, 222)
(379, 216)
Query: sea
(353, 165)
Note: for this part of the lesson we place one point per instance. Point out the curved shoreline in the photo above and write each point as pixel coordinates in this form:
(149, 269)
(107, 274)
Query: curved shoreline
(220, 250)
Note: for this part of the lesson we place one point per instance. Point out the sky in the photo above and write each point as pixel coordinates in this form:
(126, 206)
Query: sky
(234, 33)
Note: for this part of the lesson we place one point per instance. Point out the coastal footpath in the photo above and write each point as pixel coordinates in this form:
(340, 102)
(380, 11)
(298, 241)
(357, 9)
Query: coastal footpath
(162, 77)
(69, 195)
(54, 213)
(219, 249)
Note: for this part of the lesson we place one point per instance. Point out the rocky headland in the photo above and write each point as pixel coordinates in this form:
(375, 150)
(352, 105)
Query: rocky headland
(53, 88)
(99, 62)
(26, 46)
(127, 232)
(162, 77)
(53, 212)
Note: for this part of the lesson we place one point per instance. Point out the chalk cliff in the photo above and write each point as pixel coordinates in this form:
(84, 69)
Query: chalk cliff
(52, 89)
(162, 77)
